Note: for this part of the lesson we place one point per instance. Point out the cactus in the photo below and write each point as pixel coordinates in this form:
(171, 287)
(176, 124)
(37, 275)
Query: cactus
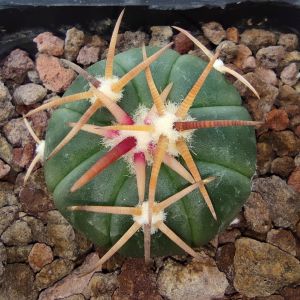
(150, 153)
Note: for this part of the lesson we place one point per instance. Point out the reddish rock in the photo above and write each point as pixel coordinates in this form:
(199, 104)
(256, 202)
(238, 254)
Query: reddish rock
(289, 74)
(266, 75)
(136, 281)
(232, 34)
(4, 168)
(55, 77)
(88, 55)
(39, 256)
(23, 156)
(39, 123)
(243, 52)
(182, 44)
(294, 180)
(289, 41)
(277, 119)
(16, 65)
(282, 166)
(257, 38)
(257, 214)
(270, 57)
(73, 42)
(283, 239)
(49, 44)
(214, 32)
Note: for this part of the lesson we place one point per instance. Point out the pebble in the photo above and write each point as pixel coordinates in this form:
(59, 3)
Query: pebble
(214, 32)
(290, 57)
(18, 254)
(289, 41)
(289, 75)
(224, 260)
(16, 132)
(88, 55)
(283, 239)
(17, 234)
(38, 229)
(7, 195)
(34, 77)
(6, 107)
(265, 155)
(53, 75)
(228, 51)
(182, 44)
(7, 216)
(4, 169)
(270, 57)
(49, 44)
(288, 96)
(74, 283)
(160, 35)
(22, 156)
(243, 52)
(34, 197)
(16, 65)
(267, 92)
(261, 269)
(232, 34)
(228, 236)
(282, 166)
(257, 38)
(73, 42)
(277, 119)
(196, 279)
(266, 75)
(290, 293)
(282, 201)
(39, 256)
(257, 214)
(294, 180)
(285, 143)
(29, 94)
(136, 281)
(132, 39)
(62, 238)
(249, 64)
(53, 272)
(17, 283)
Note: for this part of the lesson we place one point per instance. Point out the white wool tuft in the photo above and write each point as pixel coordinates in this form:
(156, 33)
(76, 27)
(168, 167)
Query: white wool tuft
(40, 149)
(106, 89)
(143, 218)
(219, 65)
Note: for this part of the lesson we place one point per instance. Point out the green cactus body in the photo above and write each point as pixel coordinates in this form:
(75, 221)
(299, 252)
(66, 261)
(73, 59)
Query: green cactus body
(227, 153)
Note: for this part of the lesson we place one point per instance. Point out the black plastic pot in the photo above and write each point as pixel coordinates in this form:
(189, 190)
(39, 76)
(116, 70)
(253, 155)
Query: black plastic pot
(22, 20)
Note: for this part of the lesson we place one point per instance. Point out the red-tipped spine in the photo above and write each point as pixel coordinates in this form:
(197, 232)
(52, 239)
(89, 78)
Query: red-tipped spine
(189, 125)
(111, 156)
